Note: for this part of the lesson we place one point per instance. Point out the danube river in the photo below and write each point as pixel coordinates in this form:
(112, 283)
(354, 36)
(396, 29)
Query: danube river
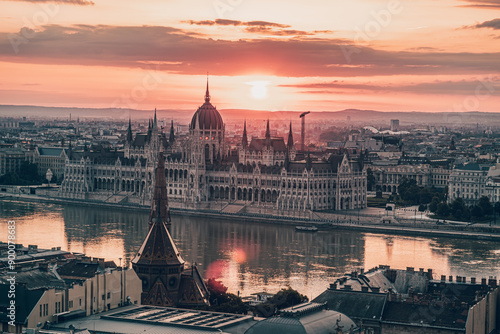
(247, 257)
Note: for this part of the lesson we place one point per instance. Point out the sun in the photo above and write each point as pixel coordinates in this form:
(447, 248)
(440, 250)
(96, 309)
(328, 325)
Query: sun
(259, 89)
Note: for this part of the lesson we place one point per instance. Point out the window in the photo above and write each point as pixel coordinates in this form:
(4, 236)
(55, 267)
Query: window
(70, 304)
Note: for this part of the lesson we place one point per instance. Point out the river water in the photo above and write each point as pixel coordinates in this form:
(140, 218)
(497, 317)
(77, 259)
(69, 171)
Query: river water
(247, 257)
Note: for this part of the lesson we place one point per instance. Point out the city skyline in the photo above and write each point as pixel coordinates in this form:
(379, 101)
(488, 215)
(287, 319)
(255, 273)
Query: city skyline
(375, 55)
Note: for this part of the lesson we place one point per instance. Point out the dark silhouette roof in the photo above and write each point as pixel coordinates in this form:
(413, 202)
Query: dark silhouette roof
(77, 269)
(452, 317)
(354, 304)
(51, 151)
(26, 300)
(258, 144)
(35, 279)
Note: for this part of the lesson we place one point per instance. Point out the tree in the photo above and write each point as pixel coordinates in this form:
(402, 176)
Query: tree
(443, 210)
(476, 211)
(287, 298)
(422, 207)
(484, 203)
(425, 196)
(458, 208)
(497, 207)
(434, 204)
(29, 172)
(221, 301)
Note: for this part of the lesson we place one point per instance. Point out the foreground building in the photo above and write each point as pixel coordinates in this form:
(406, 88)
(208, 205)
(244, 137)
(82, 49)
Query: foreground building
(264, 172)
(166, 280)
(384, 300)
(53, 285)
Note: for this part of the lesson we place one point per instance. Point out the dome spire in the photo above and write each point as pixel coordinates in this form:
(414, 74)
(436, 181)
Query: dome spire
(207, 93)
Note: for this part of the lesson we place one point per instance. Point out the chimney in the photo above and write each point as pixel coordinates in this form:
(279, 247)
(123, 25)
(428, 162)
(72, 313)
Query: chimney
(443, 278)
(464, 279)
(364, 288)
(333, 286)
(483, 281)
(362, 271)
(375, 289)
(492, 282)
(429, 272)
(473, 280)
(354, 274)
(450, 278)
(421, 271)
(32, 248)
(459, 279)
(347, 287)
(410, 269)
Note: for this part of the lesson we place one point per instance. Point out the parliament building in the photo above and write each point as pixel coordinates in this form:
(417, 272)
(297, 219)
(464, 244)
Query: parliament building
(266, 172)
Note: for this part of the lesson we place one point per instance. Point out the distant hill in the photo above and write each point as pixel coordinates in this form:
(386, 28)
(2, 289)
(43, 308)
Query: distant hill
(356, 115)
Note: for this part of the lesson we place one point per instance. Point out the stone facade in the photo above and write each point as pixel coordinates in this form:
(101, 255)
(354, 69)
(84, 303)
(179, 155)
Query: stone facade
(199, 169)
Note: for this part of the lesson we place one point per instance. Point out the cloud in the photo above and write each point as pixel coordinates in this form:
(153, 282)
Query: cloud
(493, 24)
(259, 27)
(485, 86)
(69, 2)
(485, 4)
(179, 51)
(224, 22)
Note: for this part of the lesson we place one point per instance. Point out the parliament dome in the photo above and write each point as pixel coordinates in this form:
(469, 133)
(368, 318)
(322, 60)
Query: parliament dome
(207, 116)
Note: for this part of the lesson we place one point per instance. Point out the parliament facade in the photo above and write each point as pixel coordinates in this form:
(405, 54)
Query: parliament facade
(265, 172)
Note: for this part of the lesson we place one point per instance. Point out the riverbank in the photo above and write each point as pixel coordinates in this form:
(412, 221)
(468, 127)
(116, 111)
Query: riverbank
(323, 222)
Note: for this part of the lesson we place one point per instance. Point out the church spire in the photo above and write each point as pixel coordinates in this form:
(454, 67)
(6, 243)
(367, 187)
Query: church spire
(159, 206)
(155, 124)
(290, 137)
(244, 139)
(129, 131)
(207, 93)
(268, 134)
(171, 139)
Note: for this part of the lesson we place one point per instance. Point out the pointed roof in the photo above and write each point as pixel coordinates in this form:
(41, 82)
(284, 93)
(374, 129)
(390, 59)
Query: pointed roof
(158, 247)
(158, 295)
(129, 131)
(244, 139)
(268, 134)
(207, 93)
(290, 137)
(171, 138)
(155, 124)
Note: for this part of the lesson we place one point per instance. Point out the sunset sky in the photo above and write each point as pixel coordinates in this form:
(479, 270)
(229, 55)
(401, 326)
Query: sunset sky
(388, 55)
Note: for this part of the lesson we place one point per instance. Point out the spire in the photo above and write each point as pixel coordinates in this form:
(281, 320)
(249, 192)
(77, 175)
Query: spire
(171, 139)
(207, 93)
(290, 137)
(155, 124)
(159, 205)
(129, 131)
(244, 140)
(268, 134)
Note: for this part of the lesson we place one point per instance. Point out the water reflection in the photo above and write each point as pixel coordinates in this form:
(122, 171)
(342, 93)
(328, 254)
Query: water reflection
(247, 257)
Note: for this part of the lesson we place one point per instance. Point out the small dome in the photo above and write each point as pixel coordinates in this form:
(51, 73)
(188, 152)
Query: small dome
(207, 116)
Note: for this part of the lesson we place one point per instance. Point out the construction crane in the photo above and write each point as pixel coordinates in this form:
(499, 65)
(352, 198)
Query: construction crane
(303, 131)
